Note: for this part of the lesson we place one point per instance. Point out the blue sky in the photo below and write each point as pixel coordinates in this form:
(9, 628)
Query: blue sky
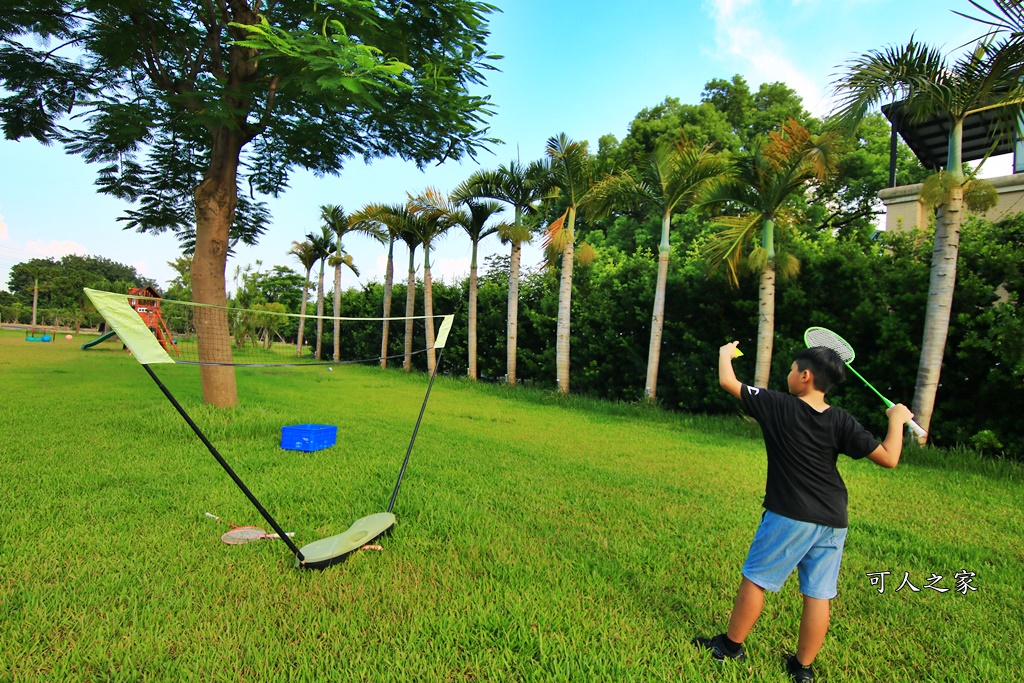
(583, 68)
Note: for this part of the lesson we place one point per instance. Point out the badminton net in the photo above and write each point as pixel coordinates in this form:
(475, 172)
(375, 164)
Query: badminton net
(157, 330)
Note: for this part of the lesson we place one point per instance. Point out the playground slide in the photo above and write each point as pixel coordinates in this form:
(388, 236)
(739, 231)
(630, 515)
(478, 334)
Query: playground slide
(99, 339)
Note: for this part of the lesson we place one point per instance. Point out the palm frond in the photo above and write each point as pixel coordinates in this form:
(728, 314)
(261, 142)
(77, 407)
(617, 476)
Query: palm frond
(913, 72)
(555, 235)
(726, 248)
(584, 254)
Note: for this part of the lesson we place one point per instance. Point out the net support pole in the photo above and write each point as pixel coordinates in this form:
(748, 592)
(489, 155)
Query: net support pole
(408, 452)
(231, 473)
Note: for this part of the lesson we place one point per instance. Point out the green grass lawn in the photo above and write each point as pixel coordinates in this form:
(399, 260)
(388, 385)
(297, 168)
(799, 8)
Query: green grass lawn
(538, 539)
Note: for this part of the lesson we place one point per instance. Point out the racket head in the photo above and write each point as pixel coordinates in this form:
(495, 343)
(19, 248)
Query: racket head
(822, 336)
(243, 534)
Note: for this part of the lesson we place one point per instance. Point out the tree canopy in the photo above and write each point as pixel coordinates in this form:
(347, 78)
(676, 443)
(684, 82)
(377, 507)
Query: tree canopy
(182, 102)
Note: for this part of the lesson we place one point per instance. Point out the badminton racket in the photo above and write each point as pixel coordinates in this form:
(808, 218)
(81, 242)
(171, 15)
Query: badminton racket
(240, 535)
(820, 336)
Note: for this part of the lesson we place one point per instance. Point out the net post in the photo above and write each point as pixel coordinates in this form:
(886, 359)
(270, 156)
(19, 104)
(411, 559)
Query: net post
(408, 452)
(227, 468)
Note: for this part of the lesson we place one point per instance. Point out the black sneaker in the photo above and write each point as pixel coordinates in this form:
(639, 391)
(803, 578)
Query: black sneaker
(718, 648)
(797, 671)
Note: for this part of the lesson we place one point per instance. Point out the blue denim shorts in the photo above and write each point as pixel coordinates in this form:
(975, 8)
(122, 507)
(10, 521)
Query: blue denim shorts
(782, 544)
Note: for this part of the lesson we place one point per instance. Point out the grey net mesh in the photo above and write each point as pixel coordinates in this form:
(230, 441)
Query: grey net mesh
(819, 336)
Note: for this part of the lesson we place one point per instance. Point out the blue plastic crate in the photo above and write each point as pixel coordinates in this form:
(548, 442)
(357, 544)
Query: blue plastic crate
(308, 437)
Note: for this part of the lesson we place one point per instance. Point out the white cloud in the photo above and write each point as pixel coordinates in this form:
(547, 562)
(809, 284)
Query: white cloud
(56, 249)
(738, 35)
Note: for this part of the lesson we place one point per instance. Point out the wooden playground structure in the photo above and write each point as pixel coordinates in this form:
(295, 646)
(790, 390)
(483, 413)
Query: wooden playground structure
(148, 308)
(146, 302)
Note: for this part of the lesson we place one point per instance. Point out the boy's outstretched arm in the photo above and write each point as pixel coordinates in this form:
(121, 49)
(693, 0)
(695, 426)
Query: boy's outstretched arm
(726, 375)
(888, 452)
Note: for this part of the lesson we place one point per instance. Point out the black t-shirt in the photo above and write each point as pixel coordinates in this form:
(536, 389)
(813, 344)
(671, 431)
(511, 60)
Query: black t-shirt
(803, 446)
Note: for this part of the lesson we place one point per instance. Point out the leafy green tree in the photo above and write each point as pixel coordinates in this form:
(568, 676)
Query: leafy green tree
(181, 101)
(763, 180)
(673, 178)
(927, 84)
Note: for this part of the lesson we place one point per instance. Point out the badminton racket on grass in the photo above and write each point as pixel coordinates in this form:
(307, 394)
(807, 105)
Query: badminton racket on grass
(820, 336)
(243, 534)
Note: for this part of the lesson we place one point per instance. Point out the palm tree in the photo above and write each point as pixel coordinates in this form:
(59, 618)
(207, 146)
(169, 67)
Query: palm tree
(522, 187)
(474, 221)
(570, 176)
(670, 179)
(927, 85)
(306, 255)
(385, 217)
(408, 226)
(763, 180)
(434, 211)
(322, 249)
(340, 224)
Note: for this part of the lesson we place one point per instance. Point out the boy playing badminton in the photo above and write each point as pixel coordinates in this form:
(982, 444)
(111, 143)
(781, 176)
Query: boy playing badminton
(804, 523)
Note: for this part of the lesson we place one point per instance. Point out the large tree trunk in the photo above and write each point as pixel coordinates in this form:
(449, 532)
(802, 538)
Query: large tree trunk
(428, 308)
(765, 325)
(302, 315)
(942, 280)
(389, 276)
(512, 329)
(215, 200)
(472, 314)
(337, 308)
(410, 308)
(565, 307)
(658, 316)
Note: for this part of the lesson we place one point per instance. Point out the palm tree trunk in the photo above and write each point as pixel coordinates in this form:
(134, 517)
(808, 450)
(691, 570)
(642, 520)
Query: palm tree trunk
(658, 316)
(337, 309)
(302, 316)
(512, 329)
(320, 311)
(35, 300)
(428, 307)
(942, 280)
(410, 308)
(472, 313)
(765, 325)
(389, 277)
(565, 307)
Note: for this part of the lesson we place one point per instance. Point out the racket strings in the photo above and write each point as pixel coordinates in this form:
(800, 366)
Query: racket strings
(243, 534)
(819, 336)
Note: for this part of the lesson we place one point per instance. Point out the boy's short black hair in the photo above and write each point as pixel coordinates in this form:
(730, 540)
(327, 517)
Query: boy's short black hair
(825, 364)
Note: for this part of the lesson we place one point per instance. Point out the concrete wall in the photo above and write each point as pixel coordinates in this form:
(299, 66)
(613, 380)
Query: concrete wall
(904, 209)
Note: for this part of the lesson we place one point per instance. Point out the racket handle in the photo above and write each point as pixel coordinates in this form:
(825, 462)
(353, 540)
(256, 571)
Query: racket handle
(917, 429)
(290, 534)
